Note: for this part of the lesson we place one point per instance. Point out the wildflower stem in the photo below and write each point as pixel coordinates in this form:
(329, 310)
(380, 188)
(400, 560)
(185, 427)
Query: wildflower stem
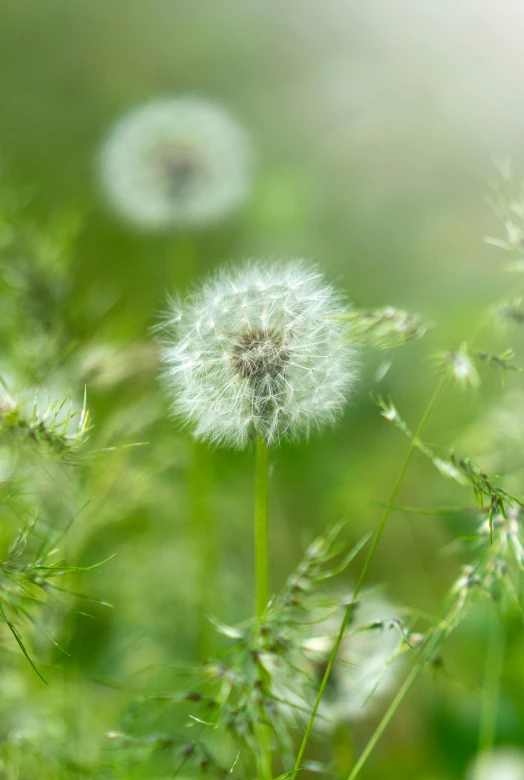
(182, 267)
(367, 563)
(182, 263)
(265, 771)
(261, 526)
(492, 675)
(441, 630)
(493, 670)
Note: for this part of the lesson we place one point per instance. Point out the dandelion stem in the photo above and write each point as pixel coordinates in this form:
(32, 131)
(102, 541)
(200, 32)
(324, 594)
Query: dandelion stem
(183, 262)
(264, 760)
(261, 526)
(490, 692)
(367, 563)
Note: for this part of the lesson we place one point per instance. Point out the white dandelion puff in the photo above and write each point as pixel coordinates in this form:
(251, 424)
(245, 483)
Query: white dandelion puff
(502, 764)
(260, 351)
(366, 666)
(364, 672)
(176, 162)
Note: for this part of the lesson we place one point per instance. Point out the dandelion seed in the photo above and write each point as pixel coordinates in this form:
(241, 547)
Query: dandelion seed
(176, 162)
(276, 364)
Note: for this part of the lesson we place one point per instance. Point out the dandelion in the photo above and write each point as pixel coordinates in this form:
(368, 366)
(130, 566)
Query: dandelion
(176, 162)
(501, 764)
(365, 668)
(260, 352)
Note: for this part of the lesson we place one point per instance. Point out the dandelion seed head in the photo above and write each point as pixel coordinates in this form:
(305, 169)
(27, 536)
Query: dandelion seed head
(176, 162)
(365, 668)
(259, 351)
(500, 764)
(366, 665)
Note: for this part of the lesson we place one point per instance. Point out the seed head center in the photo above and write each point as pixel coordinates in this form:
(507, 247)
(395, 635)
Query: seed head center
(179, 169)
(260, 354)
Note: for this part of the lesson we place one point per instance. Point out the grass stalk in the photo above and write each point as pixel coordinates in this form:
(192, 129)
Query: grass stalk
(347, 617)
(490, 690)
(426, 652)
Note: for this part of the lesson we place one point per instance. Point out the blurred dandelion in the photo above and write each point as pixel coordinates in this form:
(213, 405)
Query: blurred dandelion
(365, 666)
(176, 162)
(501, 764)
(259, 352)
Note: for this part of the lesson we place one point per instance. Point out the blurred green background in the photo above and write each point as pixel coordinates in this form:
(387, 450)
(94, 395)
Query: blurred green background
(375, 127)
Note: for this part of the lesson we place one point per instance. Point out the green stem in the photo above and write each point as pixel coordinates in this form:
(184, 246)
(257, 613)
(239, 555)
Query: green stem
(182, 265)
(264, 759)
(493, 671)
(261, 526)
(426, 652)
(490, 694)
(182, 262)
(434, 638)
(390, 712)
(367, 563)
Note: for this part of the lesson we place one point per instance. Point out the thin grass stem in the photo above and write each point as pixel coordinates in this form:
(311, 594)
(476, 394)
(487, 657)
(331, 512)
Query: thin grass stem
(347, 617)
(490, 690)
(425, 653)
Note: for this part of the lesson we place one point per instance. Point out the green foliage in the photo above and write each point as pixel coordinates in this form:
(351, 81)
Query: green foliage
(253, 691)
